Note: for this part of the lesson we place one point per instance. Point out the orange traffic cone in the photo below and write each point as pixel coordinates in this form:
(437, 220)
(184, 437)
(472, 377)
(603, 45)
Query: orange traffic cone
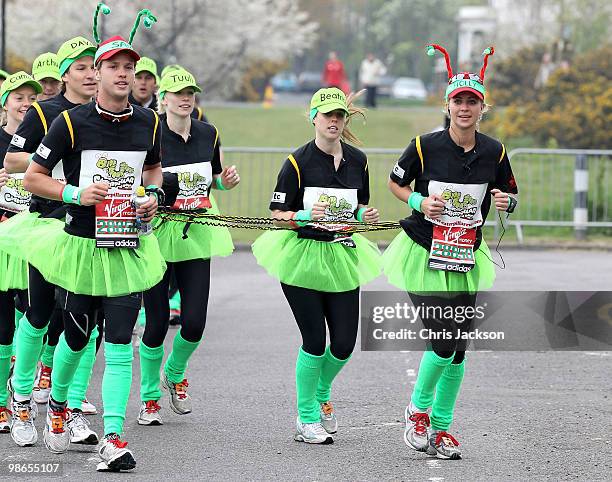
(268, 98)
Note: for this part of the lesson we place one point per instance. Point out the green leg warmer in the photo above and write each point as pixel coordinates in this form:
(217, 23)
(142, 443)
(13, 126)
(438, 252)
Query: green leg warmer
(430, 372)
(77, 392)
(47, 355)
(116, 385)
(5, 366)
(307, 374)
(65, 365)
(176, 364)
(150, 365)
(175, 301)
(330, 368)
(142, 317)
(29, 341)
(18, 316)
(447, 391)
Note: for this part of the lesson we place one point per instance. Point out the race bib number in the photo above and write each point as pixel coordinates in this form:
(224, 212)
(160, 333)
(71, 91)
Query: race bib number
(115, 216)
(13, 197)
(463, 203)
(452, 248)
(194, 185)
(342, 205)
(116, 222)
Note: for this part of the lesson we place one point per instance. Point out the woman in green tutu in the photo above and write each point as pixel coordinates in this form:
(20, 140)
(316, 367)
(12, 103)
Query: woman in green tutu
(441, 258)
(191, 157)
(319, 267)
(17, 94)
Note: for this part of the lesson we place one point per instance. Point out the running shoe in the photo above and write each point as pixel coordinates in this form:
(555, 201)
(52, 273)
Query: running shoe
(417, 424)
(114, 454)
(328, 418)
(179, 400)
(149, 413)
(312, 433)
(42, 384)
(5, 420)
(80, 433)
(443, 445)
(23, 431)
(88, 408)
(56, 434)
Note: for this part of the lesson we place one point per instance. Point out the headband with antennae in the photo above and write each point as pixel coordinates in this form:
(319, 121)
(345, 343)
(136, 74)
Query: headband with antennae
(149, 20)
(105, 10)
(431, 50)
(488, 51)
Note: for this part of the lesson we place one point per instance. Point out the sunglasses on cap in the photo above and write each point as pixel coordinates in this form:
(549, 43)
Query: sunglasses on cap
(465, 76)
(110, 116)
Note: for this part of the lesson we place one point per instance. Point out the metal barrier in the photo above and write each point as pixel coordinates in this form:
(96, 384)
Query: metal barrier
(547, 182)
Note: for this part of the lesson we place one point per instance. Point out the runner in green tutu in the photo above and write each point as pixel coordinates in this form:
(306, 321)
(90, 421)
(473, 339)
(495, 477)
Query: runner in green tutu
(192, 159)
(319, 267)
(441, 258)
(16, 97)
(40, 327)
(108, 149)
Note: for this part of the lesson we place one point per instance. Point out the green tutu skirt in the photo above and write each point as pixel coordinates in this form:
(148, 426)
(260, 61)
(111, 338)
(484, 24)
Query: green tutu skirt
(13, 273)
(75, 264)
(317, 265)
(202, 241)
(16, 233)
(405, 265)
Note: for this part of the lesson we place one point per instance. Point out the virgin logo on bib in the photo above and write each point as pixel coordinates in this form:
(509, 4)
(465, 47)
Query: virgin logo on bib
(194, 185)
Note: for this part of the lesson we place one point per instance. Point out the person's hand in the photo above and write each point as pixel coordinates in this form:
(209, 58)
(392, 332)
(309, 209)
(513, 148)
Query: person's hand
(370, 215)
(3, 177)
(433, 206)
(94, 194)
(318, 211)
(502, 199)
(230, 177)
(147, 211)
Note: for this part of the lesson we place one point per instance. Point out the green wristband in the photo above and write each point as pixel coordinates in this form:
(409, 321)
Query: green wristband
(151, 190)
(71, 194)
(302, 217)
(415, 200)
(31, 157)
(359, 215)
(220, 185)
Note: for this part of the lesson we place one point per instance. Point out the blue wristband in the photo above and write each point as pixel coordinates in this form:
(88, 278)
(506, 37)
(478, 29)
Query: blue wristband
(220, 185)
(302, 217)
(415, 200)
(71, 194)
(359, 215)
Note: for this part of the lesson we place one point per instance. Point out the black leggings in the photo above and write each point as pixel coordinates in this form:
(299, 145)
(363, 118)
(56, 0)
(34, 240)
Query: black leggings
(81, 314)
(312, 308)
(442, 347)
(42, 297)
(193, 281)
(8, 301)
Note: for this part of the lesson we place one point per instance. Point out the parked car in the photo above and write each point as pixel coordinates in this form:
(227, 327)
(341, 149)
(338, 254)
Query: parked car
(409, 88)
(285, 82)
(385, 86)
(309, 81)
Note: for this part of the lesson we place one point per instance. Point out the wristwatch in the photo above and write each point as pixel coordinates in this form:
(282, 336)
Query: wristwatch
(158, 192)
(511, 204)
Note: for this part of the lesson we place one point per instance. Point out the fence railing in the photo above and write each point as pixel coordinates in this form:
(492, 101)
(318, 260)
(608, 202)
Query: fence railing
(547, 182)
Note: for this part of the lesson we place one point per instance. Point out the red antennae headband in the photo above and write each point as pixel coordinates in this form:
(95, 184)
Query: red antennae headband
(431, 51)
(488, 51)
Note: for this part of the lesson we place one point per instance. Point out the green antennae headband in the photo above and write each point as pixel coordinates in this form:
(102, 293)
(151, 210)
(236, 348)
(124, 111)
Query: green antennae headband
(105, 10)
(149, 20)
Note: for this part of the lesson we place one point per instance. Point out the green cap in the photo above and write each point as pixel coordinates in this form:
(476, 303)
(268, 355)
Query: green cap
(145, 64)
(74, 49)
(170, 68)
(4, 74)
(177, 80)
(465, 84)
(15, 81)
(327, 100)
(46, 65)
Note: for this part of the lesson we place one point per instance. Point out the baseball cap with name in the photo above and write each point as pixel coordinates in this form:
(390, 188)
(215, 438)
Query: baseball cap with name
(145, 64)
(46, 66)
(15, 81)
(327, 100)
(73, 49)
(176, 81)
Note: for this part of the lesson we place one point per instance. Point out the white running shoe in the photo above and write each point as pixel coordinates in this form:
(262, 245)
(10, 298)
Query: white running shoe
(417, 425)
(80, 433)
(42, 384)
(56, 434)
(33, 406)
(5, 420)
(179, 400)
(328, 418)
(114, 454)
(88, 408)
(23, 431)
(149, 413)
(443, 445)
(312, 433)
